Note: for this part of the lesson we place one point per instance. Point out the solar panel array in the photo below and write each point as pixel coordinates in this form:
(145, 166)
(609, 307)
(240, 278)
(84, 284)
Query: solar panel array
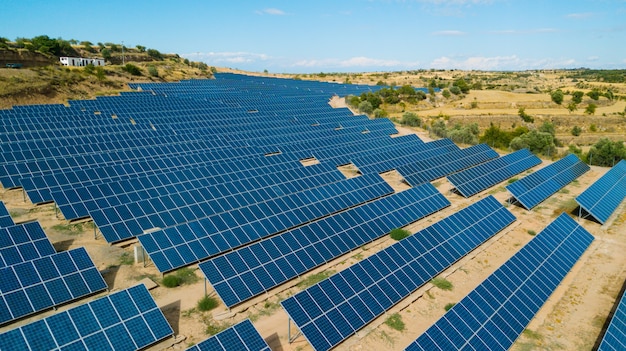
(5, 217)
(478, 178)
(538, 186)
(125, 320)
(193, 241)
(23, 242)
(35, 285)
(435, 167)
(602, 198)
(246, 272)
(614, 338)
(494, 314)
(330, 311)
(241, 336)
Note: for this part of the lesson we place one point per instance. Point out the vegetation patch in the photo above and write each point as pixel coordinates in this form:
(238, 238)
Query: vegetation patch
(314, 279)
(531, 232)
(395, 322)
(448, 306)
(207, 303)
(399, 234)
(442, 283)
(73, 229)
(126, 258)
(180, 277)
(566, 206)
(530, 334)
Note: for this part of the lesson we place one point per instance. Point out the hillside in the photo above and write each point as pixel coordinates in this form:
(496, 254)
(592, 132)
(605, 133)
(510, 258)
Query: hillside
(43, 80)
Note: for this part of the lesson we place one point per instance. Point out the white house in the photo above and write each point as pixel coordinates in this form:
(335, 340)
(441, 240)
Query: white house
(81, 62)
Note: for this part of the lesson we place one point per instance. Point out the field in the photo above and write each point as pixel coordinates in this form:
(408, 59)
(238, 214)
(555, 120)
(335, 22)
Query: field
(571, 319)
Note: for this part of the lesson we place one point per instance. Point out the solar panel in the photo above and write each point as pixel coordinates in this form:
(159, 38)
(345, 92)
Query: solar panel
(538, 186)
(191, 242)
(5, 217)
(246, 272)
(494, 314)
(23, 242)
(241, 336)
(332, 310)
(440, 166)
(602, 198)
(42, 283)
(124, 320)
(614, 338)
(478, 178)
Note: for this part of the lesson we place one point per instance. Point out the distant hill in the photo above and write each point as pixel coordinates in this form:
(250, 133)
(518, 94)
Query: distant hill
(42, 79)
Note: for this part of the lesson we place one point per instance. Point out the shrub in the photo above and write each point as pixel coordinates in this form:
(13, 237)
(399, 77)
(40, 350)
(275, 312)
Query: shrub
(366, 107)
(399, 234)
(153, 71)
(448, 306)
(411, 119)
(207, 303)
(132, 69)
(557, 96)
(395, 322)
(171, 281)
(576, 131)
(442, 283)
(532, 232)
(524, 116)
(446, 93)
(380, 113)
(591, 109)
(155, 54)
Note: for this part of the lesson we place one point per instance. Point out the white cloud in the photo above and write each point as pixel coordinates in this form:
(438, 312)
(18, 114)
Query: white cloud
(450, 33)
(497, 63)
(271, 11)
(581, 15)
(227, 57)
(593, 58)
(353, 62)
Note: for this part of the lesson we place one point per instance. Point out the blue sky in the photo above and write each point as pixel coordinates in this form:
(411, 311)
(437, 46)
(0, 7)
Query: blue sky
(343, 36)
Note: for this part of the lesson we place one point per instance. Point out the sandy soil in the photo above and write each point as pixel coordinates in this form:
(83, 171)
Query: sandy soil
(571, 319)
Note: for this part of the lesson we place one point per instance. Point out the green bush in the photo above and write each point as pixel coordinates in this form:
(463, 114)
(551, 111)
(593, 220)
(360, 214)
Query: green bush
(153, 71)
(399, 234)
(132, 69)
(442, 283)
(207, 303)
(366, 107)
(395, 322)
(576, 131)
(171, 281)
(411, 119)
(448, 306)
(531, 232)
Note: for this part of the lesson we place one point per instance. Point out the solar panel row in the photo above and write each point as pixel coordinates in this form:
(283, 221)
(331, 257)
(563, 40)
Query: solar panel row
(435, 167)
(241, 336)
(602, 198)
(42, 283)
(330, 311)
(254, 269)
(538, 186)
(494, 314)
(23, 242)
(5, 217)
(614, 338)
(478, 178)
(124, 320)
(191, 242)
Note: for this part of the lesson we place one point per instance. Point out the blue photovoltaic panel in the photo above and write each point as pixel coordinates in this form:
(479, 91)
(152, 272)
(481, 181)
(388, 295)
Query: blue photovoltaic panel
(440, 166)
(241, 336)
(478, 178)
(23, 242)
(615, 337)
(494, 314)
(332, 310)
(124, 320)
(246, 272)
(5, 217)
(602, 198)
(33, 286)
(191, 242)
(538, 186)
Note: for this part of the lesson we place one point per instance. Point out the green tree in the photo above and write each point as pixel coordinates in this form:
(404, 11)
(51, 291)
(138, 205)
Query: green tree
(438, 128)
(115, 48)
(411, 119)
(571, 107)
(141, 48)
(153, 71)
(576, 130)
(100, 74)
(155, 54)
(577, 97)
(455, 90)
(446, 93)
(464, 134)
(380, 113)
(132, 69)
(548, 127)
(606, 153)
(366, 107)
(462, 85)
(535, 141)
(524, 116)
(591, 109)
(594, 94)
(406, 90)
(609, 95)
(106, 53)
(557, 96)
